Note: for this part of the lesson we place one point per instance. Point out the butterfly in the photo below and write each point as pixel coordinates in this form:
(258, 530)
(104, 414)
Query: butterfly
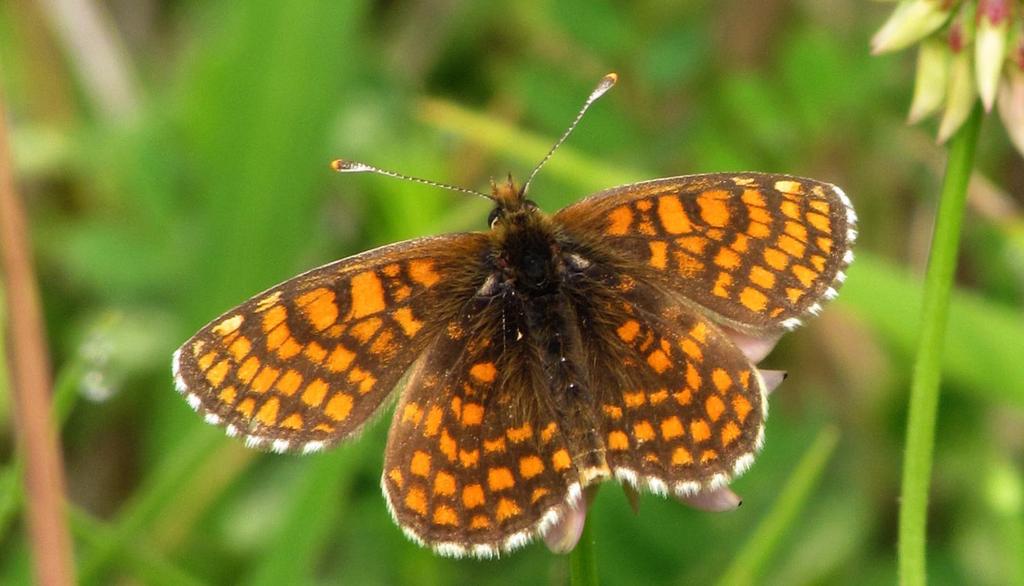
(542, 356)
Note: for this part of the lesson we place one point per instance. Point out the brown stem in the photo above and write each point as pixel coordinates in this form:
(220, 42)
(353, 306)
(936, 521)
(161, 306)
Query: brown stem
(29, 365)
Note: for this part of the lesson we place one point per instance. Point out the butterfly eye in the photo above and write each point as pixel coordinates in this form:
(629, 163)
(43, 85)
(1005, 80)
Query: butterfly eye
(493, 217)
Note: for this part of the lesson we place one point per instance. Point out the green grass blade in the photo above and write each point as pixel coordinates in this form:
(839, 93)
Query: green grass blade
(314, 511)
(582, 562)
(141, 561)
(256, 109)
(763, 542)
(175, 472)
(978, 360)
(525, 147)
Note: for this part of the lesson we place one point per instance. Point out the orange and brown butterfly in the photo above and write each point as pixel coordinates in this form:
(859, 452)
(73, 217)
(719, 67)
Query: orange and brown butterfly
(545, 355)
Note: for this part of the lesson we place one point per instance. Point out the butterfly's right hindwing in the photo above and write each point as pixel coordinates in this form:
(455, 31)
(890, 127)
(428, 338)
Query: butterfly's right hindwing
(477, 462)
(682, 410)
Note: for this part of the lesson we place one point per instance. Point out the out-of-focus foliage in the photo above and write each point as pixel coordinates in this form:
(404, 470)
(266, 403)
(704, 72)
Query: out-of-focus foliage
(200, 178)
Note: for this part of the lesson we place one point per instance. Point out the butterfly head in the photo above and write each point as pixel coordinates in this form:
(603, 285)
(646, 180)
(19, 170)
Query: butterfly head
(506, 193)
(512, 209)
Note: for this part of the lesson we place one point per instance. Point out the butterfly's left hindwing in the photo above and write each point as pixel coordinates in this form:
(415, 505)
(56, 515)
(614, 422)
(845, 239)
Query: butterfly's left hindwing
(305, 363)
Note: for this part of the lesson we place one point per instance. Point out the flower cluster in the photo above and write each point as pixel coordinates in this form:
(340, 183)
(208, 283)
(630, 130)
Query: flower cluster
(969, 49)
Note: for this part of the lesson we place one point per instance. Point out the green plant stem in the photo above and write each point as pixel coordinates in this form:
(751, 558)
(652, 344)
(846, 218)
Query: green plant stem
(977, 363)
(924, 387)
(582, 564)
(763, 541)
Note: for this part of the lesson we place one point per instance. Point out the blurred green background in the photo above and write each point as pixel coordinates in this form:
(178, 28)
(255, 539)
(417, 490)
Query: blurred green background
(174, 162)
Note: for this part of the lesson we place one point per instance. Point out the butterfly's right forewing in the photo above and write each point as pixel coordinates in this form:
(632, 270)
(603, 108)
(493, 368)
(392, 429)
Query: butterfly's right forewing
(305, 363)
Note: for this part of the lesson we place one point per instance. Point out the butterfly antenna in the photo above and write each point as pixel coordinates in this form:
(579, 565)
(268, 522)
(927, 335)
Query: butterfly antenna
(605, 84)
(346, 166)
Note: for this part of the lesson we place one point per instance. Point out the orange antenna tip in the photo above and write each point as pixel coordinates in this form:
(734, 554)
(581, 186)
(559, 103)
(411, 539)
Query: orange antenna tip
(603, 86)
(345, 166)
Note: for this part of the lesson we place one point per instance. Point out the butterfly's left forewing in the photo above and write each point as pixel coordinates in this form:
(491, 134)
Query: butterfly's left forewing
(306, 363)
(756, 251)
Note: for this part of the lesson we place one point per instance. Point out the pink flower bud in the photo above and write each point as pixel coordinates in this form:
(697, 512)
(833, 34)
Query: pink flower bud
(563, 536)
(990, 47)
(961, 94)
(997, 12)
(1011, 105)
(714, 500)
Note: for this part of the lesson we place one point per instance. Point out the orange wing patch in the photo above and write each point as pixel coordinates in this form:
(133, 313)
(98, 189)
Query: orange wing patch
(319, 307)
(671, 215)
(367, 293)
